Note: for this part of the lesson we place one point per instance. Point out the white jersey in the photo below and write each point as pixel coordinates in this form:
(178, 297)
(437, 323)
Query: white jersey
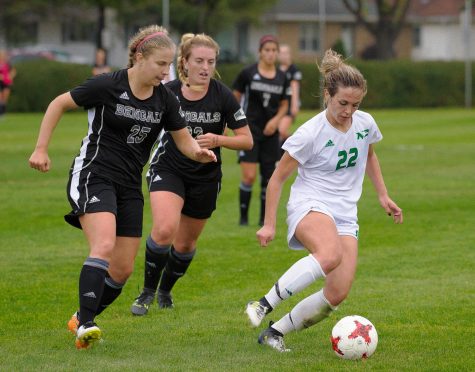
(331, 163)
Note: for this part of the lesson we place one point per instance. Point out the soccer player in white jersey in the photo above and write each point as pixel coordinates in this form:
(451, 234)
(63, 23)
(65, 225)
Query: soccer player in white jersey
(331, 152)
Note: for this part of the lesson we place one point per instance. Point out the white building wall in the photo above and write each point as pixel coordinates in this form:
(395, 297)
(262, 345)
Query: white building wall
(443, 42)
(114, 41)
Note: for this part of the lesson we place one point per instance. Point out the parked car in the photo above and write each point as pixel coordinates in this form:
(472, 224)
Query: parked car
(37, 52)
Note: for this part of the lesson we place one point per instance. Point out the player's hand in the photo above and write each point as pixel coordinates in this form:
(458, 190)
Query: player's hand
(205, 156)
(265, 235)
(40, 160)
(392, 209)
(270, 128)
(294, 111)
(208, 140)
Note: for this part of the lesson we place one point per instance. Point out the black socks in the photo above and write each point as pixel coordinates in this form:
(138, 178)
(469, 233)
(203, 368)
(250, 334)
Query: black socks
(91, 287)
(175, 268)
(156, 257)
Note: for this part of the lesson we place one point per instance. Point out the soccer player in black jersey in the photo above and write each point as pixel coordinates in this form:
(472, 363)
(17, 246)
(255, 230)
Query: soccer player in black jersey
(264, 94)
(294, 76)
(127, 109)
(183, 193)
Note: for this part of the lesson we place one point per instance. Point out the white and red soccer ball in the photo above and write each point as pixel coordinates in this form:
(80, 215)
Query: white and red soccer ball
(354, 337)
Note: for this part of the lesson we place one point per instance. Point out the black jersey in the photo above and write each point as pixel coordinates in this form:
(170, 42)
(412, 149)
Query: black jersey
(262, 96)
(293, 73)
(210, 114)
(122, 128)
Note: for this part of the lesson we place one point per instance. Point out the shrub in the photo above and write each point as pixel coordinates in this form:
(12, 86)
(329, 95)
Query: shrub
(390, 84)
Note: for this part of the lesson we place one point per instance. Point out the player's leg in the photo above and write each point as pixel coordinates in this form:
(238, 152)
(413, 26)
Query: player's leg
(320, 305)
(129, 222)
(180, 258)
(339, 281)
(269, 153)
(120, 268)
(316, 232)
(2, 98)
(200, 202)
(248, 164)
(99, 229)
(167, 195)
(166, 213)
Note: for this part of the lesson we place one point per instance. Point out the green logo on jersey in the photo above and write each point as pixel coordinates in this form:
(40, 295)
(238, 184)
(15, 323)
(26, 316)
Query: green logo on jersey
(329, 143)
(362, 134)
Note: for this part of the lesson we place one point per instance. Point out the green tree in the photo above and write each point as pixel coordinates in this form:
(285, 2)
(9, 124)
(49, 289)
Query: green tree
(391, 15)
(208, 16)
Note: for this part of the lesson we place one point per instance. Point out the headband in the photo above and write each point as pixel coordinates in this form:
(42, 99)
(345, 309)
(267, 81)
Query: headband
(148, 38)
(267, 39)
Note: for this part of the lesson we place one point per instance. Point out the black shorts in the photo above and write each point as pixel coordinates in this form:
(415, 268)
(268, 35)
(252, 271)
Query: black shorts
(89, 193)
(266, 150)
(199, 198)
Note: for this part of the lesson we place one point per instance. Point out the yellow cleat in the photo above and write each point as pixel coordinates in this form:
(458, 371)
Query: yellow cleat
(87, 334)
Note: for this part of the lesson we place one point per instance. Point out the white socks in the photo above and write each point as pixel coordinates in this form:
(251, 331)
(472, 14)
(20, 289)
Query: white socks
(298, 277)
(306, 313)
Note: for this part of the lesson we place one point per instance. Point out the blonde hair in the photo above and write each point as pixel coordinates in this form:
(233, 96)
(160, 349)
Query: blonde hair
(188, 41)
(147, 39)
(336, 73)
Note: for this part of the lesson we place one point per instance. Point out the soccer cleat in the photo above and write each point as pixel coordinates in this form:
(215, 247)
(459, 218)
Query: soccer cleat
(142, 302)
(73, 323)
(243, 221)
(256, 312)
(165, 300)
(272, 338)
(87, 334)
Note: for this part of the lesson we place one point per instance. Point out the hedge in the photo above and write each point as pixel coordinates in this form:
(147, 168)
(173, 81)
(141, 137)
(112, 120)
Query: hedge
(390, 84)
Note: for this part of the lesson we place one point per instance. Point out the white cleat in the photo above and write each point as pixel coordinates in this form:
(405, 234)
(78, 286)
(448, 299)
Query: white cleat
(256, 313)
(268, 337)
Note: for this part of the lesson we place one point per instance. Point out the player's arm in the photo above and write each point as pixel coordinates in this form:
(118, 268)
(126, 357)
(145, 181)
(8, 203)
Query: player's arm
(190, 148)
(373, 170)
(241, 140)
(273, 123)
(237, 94)
(287, 165)
(295, 89)
(39, 159)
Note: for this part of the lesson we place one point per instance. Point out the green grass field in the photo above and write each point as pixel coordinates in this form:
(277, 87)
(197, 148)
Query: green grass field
(415, 282)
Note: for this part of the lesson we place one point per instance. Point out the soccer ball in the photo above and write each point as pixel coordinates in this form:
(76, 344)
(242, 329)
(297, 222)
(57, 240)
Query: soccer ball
(354, 337)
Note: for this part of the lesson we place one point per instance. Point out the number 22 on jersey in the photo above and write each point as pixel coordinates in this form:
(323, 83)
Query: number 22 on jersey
(347, 159)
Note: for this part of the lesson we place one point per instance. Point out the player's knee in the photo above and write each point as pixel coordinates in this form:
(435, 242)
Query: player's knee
(103, 249)
(337, 295)
(248, 179)
(163, 234)
(329, 260)
(121, 274)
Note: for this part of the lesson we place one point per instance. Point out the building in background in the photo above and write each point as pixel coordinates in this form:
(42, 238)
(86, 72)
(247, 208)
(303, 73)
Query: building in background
(433, 31)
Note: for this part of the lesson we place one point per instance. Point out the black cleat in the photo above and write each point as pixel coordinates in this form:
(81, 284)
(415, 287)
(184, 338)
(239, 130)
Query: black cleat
(142, 302)
(165, 300)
